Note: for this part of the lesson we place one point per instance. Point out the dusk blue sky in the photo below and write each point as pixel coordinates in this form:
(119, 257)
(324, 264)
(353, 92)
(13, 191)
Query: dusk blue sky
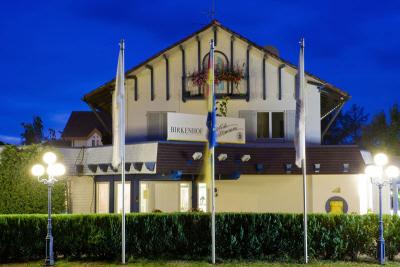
(53, 52)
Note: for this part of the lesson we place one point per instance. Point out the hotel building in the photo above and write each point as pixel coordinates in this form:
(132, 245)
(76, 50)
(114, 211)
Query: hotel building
(255, 170)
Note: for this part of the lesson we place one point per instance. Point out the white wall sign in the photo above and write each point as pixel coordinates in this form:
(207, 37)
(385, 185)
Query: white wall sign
(190, 127)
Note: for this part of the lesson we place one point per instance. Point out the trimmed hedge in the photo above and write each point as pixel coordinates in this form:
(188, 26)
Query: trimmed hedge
(247, 236)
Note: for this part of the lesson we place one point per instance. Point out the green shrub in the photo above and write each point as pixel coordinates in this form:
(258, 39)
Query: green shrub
(247, 236)
(19, 191)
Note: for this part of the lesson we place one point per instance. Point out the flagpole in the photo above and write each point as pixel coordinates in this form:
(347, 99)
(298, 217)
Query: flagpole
(212, 159)
(122, 132)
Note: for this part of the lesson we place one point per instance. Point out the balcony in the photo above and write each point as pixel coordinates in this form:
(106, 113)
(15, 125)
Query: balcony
(193, 91)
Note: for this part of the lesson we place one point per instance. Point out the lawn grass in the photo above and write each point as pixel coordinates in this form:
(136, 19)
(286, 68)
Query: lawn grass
(146, 263)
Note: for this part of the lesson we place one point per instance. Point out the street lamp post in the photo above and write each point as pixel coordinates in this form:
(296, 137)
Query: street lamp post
(381, 177)
(53, 170)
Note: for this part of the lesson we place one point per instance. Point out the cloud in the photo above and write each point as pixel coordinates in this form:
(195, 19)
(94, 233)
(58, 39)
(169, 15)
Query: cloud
(10, 139)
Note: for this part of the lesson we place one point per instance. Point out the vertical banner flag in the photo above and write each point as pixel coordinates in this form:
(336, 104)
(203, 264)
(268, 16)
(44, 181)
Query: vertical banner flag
(300, 140)
(212, 140)
(118, 123)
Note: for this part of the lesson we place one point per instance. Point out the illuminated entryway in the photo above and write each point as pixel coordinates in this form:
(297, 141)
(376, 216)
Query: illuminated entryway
(165, 196)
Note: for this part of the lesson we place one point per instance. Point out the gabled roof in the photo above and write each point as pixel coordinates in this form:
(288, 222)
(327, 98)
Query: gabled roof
(81, 124)
(104, 92)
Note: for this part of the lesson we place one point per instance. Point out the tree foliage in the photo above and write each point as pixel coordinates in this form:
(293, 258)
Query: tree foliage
(383, 134)
(33, 132)
(19, 191)
(348, 126)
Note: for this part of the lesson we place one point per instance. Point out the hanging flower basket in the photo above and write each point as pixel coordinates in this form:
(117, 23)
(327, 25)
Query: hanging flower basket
(235, 75)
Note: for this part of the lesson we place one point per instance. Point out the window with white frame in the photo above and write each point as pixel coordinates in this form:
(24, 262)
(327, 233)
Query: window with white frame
(102, 197)
(270, 125)
(127, 198)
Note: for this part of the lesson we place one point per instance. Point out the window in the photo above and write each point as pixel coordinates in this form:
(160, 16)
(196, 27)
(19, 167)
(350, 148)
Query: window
(184, 199)
(270, 125)
(263, 125)
(202, 197)
(277, 125)
(157, 125)
(127, 197)
(102, 197)
(220, 62)
(93, 142)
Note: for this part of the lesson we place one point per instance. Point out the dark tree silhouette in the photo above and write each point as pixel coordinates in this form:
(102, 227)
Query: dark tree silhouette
(383, 134)
(33, 132)
(347, 128)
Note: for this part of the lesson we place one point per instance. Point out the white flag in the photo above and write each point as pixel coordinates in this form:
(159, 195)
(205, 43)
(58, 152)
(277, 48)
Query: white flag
(118, 111)
(300, 136)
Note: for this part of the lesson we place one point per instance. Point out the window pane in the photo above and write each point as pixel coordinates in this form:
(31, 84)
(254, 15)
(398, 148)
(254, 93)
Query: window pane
(263, 125)
(102, 197)
(127, 197)
(277, 125)
(202, 197)
(184, 205)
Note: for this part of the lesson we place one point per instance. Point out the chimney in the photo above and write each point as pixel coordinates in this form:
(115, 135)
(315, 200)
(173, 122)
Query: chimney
(272, 50)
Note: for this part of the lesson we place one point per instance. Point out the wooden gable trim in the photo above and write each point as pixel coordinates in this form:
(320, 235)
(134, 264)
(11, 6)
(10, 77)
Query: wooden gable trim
(135, 89)
(183, 73)
(248, 72)
(89, 97)
(167, 77)
(280, 68)
(264, 78)
(152, 96)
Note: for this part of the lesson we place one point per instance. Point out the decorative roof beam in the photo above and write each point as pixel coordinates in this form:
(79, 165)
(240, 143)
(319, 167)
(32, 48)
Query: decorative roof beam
(280, 68)
(167, 77)
(264, 78)
(232, 49)
(198, 59)
(183, 74)
(248, 72)
(151, 81)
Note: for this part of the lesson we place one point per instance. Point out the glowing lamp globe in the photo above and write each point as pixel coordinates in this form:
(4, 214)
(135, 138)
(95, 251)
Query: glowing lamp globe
(380, 159)
(37, 170)
(49, 158)
(373, 171)
(56, 170)
(392, 171)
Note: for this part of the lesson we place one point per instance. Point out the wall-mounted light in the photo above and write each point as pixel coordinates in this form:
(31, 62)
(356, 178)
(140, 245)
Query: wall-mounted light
(245, 158)
(259, 167)
(197, 155)
(288, 167)
(317, 167)
(346, 167)
(222, 157)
